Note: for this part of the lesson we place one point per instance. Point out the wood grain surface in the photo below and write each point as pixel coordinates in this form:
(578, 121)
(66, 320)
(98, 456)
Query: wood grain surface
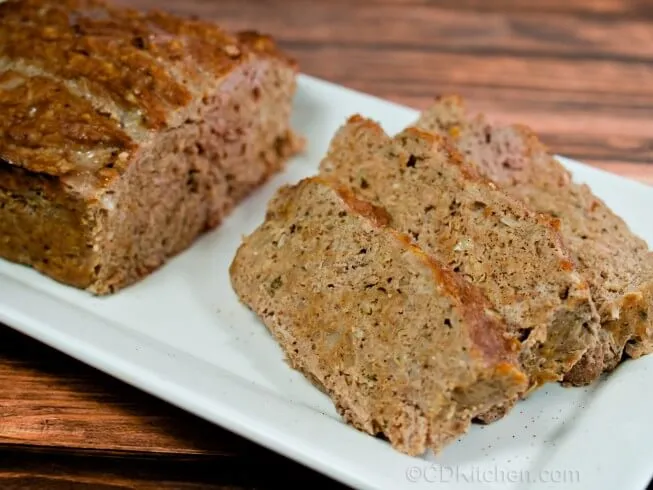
(580, 72)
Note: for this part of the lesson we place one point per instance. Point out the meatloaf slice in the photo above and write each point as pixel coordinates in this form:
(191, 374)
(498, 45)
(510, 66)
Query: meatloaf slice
(616, 263)
(405, 348)
(125, 135)
(513, 255)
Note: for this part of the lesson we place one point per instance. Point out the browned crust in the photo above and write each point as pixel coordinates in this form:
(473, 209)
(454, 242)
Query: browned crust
(46, 129)
(17, 179)
(148, 64)
(376, 214)
(265, 45)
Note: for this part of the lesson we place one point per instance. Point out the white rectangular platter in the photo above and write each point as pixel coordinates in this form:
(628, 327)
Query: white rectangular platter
(182, 335)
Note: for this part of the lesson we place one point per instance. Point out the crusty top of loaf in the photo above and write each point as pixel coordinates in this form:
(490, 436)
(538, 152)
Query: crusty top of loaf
(82, 83)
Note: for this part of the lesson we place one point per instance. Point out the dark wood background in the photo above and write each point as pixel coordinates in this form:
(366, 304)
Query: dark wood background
(579, 71)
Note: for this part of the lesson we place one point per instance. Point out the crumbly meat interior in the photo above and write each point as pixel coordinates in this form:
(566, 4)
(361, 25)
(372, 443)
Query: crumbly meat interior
(197, 174)
(514, 256)
(405, 348)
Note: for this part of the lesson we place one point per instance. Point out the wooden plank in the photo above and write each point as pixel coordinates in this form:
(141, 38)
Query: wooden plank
(48, 399)
(621, 131)
(47, 471)
(430, 27)
(596, 8)
(65, 425)
(635, 171)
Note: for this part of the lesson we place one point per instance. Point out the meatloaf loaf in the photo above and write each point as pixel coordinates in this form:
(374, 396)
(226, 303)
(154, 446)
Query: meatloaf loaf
(421, 351)
(616, 263)
(513, 255)
(124, 135)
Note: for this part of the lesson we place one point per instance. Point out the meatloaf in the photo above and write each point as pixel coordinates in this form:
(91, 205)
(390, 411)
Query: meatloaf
(513, 255)
(405, 348)
(616, 263)
(125, 135)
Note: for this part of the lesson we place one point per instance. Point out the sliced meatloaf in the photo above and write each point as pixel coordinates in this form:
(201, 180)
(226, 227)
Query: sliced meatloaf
(513, 255)
(405, 348)
(124, 135)
(616, 263)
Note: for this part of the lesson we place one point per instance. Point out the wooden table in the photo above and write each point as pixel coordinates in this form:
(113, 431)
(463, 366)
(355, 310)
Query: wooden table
(579, 71)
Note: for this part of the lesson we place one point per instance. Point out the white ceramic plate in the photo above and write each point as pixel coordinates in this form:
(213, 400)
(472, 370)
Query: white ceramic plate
(182, 335)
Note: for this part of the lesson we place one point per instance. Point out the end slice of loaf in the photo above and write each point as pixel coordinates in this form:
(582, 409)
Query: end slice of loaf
(126, 135)
(405, 348)
(616, 263)
(512, 254)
